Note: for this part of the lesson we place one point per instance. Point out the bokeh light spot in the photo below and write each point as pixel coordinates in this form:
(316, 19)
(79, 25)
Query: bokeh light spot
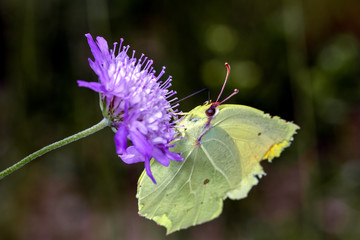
(340, 52)
(244, 74)
(220, 38)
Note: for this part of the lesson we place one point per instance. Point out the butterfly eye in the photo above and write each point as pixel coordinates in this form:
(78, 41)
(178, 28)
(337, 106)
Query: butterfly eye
(210, 111)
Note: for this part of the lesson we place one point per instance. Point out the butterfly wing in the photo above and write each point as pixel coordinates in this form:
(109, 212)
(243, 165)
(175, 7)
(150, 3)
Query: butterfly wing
(223, 165)
(257, 136)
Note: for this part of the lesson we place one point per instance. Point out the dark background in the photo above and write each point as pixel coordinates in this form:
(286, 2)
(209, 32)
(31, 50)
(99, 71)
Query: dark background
(295, 59)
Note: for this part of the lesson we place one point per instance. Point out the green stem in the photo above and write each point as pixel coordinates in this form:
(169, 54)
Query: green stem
(104, 123)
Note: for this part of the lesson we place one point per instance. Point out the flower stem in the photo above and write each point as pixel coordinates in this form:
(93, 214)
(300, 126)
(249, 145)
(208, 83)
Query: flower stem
(104, 123)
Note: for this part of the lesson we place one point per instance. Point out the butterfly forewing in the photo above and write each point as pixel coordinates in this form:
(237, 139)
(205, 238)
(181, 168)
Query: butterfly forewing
(255, 134)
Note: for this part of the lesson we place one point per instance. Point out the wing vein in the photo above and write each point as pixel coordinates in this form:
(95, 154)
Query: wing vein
(214, 165)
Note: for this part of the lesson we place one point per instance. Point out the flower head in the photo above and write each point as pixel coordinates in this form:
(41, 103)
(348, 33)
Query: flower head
(135, 102)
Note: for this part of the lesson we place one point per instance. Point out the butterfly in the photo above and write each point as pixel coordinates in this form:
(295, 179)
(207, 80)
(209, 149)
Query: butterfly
(222, 146)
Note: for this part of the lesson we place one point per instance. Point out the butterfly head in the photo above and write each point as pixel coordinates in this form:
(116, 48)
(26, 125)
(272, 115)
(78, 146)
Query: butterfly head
(212, 110)
(197, 122)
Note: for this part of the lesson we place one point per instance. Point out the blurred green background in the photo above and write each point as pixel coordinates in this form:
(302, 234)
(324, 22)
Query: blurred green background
(295, 59)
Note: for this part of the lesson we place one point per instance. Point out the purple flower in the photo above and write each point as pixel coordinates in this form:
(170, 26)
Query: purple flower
(135, 102)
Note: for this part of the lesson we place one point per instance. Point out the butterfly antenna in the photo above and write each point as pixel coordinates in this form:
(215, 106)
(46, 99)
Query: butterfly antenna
(227, 75)
(235, 92)
(190, 95)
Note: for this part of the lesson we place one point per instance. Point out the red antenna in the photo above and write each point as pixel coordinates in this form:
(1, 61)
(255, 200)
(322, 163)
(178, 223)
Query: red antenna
(222, 89)
(227, 75)
(235, 92)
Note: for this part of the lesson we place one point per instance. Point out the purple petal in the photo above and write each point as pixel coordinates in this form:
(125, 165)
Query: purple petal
(97, 87)
(103, 46)
(120, 139)
(148, 170)
(132, 156)
(140, 126)
(160, 156)
(94, 48)
(173, 156)
(141, 143)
